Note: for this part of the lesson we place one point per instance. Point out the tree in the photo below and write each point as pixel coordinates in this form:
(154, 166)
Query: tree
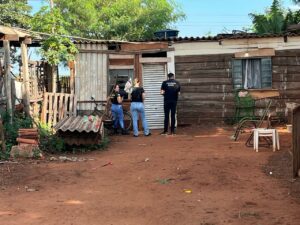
(276, 19)
(119, 19)
(56, 46)
(271, 22)
(14, 13)
(291, 18)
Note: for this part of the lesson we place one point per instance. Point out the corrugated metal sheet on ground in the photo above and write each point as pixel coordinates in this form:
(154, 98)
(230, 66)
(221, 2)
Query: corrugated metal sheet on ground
(79, 124)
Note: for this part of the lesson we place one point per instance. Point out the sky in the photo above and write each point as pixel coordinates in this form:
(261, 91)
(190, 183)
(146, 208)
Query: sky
(211, 17)
(206, 17)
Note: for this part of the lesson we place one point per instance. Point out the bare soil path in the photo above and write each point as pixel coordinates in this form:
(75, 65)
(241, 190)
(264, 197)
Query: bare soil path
(199, 177)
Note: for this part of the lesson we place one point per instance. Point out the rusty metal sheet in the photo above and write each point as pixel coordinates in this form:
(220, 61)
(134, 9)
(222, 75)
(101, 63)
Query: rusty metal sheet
(80, 130)
(79, 124)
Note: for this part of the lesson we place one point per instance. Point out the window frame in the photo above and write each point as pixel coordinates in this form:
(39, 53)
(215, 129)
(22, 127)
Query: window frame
(238, 76)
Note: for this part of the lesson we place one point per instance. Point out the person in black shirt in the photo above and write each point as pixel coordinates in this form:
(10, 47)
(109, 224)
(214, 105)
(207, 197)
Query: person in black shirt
(116, 99)
(137, 108)
(170, 89)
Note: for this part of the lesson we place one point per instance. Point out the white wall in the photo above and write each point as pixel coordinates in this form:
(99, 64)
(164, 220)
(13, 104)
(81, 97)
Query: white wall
(234, 45)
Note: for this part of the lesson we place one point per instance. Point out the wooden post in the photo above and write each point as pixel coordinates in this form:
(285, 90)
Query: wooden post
(2, 137)
(26, 91)
(72, 76)
(54, 78)
(2, 89)
(53, 67)
(8, 78)
(296, 142)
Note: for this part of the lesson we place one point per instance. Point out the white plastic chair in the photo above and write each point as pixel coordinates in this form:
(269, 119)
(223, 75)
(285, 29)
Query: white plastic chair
(261, 132)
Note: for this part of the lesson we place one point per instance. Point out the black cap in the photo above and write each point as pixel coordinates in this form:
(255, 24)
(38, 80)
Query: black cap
(170, 75)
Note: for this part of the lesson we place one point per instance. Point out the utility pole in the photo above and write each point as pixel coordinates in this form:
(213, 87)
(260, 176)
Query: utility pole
(53, 67)
(7, 78)
(26, 90)
(51, 4)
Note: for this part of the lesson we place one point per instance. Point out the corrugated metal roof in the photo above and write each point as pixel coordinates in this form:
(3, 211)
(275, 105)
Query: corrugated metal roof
(83, 41)
(218, 37)
(252, 35)
(79, 40)
(79, 123)
(178, 39)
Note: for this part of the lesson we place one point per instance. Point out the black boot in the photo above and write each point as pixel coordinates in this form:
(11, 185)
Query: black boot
(124, 132)
(115, 130)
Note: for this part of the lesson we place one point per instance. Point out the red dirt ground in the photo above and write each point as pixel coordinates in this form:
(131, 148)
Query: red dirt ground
(199, 177)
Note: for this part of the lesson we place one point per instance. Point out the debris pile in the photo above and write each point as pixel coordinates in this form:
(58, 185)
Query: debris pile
(28, 136)
(28, 144)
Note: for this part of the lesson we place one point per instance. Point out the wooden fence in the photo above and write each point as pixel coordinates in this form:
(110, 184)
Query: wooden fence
(56, 106)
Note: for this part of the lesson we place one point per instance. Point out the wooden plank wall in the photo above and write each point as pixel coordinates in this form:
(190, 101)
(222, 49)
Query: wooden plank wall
(286, 78)
(206, 88)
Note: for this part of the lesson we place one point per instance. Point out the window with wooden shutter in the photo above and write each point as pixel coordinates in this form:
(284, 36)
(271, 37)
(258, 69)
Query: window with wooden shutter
(254, 73)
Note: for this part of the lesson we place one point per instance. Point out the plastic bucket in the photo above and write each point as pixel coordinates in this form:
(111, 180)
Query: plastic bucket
(289, 128)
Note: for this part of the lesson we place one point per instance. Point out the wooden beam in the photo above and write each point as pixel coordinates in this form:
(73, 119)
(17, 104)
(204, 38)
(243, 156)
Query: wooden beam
(137, 73)
(7, 76)
(71, 65)
(121, 61)
(263, 52)
(263, 93)
(155, 60)
(121, 67)
(26, 91)
(125, 52)
(114, 56)
(143, 46)
(10, 37)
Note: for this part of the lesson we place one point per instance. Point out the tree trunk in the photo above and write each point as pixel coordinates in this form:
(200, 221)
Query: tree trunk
(2, 137)
(72, 76)
(7, 74)
(54, 78)
(26, 80)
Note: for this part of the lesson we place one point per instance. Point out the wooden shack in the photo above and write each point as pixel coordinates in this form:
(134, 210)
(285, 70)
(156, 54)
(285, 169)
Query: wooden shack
(211, 69)
(101, 64)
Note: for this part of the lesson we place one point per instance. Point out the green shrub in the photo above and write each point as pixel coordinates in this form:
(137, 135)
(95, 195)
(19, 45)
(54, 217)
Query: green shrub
(11, 130)
(49, 142)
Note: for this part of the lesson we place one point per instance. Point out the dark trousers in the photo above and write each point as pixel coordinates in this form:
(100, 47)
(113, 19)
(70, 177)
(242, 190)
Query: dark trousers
(169, 106)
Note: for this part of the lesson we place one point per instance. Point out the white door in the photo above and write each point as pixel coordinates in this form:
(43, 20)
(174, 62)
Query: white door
(153, 76)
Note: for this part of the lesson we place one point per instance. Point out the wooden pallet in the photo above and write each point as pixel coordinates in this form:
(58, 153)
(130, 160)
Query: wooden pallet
(56, 106)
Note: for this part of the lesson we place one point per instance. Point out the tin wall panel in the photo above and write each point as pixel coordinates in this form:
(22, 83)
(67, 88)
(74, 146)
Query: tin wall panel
(153, 76)
(91, 75)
